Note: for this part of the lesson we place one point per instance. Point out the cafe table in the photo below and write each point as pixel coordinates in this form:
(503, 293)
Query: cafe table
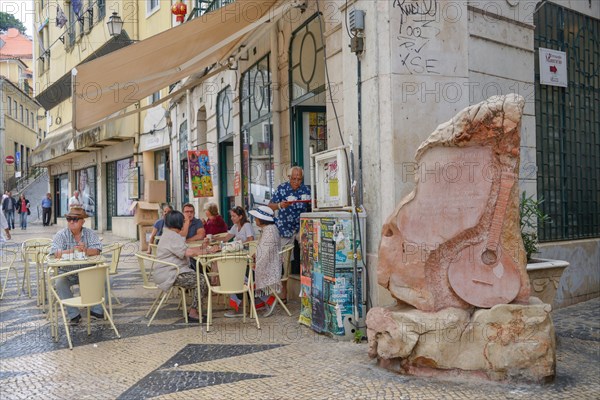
(70, 263)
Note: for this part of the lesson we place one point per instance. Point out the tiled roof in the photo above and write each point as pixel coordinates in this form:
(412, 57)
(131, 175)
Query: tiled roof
(16, 45)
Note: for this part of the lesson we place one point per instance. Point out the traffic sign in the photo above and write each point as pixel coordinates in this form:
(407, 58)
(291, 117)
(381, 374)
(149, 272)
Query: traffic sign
(9, 160)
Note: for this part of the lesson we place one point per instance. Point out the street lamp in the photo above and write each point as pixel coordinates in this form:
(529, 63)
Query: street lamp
(115, 24)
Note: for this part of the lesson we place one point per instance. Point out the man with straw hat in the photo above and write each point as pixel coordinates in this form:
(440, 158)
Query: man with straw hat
(75, 238)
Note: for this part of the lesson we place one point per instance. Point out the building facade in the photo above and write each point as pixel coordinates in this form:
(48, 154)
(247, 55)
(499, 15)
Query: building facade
(307, 76)
(19, 128)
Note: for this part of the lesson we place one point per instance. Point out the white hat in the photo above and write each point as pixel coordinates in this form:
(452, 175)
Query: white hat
(263, 212)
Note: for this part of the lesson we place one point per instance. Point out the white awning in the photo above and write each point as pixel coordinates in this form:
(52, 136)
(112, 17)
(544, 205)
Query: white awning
(124, 77)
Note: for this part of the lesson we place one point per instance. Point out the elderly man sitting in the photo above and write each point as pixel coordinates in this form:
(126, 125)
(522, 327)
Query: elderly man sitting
(68, 240)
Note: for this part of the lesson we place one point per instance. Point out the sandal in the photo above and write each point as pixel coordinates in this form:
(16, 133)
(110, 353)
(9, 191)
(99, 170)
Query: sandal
(193, 319)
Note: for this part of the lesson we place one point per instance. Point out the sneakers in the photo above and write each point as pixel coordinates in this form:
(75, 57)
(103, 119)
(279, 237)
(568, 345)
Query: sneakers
(75, 320)
(233, 314)
(95, 315)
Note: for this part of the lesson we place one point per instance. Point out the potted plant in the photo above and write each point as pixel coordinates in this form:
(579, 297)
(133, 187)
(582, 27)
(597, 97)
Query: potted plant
(544, 274)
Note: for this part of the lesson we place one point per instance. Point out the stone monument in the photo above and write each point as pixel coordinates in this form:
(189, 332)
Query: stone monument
(452, 256)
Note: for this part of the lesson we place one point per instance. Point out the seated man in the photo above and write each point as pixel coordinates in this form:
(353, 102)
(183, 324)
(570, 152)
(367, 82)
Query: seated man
(69, 240)
(158, 226)
(192, 230)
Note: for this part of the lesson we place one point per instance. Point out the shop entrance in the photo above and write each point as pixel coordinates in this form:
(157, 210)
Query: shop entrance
(309, 133)
(226, 178)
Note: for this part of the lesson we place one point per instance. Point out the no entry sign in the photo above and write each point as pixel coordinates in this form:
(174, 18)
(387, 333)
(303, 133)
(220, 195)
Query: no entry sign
(9, 160)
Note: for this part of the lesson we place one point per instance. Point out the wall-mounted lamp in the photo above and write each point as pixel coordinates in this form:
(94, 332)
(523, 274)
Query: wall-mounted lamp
(115, 25)
(232, 63)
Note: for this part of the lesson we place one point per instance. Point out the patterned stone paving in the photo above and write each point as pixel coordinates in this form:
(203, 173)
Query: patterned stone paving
(283, 360)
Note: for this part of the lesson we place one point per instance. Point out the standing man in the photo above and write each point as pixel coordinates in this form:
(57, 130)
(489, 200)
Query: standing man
(285, 200)
(192, 230)
(75, 201)
(9, 205)
(68, 240)
(46, 209)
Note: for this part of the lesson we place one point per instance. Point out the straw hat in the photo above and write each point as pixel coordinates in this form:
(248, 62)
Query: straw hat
(263, 212)
(76, 212)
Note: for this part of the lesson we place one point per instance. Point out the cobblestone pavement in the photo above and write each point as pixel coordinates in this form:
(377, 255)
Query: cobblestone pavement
(283, 360)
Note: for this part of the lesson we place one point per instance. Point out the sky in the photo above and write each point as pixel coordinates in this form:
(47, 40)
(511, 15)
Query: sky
(22, 10)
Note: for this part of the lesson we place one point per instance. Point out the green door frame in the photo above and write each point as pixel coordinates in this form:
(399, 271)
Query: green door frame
(297, 142)
(224, 199)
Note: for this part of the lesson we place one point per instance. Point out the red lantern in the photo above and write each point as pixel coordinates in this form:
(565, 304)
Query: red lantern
(179, 9)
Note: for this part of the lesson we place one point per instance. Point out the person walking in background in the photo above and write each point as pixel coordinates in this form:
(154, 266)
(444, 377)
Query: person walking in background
(9, 205)
(46, 209)
(75, 201)
(23, 207)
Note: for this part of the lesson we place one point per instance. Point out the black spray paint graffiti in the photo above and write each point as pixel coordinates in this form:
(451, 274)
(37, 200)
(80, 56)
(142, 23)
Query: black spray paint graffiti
(417, 27)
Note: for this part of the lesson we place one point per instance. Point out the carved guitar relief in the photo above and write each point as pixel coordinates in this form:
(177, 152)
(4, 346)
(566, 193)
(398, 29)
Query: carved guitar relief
(484, 274)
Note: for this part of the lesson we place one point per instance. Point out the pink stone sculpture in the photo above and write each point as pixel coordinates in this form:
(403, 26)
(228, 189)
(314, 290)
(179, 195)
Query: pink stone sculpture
(455, 240)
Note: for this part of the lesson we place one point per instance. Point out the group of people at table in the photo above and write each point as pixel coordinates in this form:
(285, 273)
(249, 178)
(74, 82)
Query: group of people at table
(178, 230)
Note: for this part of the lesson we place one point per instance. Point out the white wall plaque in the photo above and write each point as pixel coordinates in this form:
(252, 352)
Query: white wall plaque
(553, 67)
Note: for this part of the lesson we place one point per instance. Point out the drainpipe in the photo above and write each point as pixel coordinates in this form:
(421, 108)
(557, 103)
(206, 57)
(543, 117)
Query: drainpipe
(188, 113)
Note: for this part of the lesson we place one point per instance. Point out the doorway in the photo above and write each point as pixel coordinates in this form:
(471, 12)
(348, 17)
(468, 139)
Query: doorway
(309, 132)
(226, 178)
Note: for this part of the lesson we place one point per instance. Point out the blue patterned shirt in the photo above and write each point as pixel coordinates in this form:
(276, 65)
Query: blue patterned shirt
(288, 219)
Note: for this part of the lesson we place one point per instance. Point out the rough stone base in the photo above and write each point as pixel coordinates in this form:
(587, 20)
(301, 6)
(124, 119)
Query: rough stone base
(509, 342)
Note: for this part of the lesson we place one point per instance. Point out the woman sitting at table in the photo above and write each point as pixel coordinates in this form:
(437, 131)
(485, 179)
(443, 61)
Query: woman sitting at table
(242, 228)
(172, 248)
(214, 223)
(267, 269)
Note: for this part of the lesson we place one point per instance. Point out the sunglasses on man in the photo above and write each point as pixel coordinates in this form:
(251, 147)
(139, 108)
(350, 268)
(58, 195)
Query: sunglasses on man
(73, 219)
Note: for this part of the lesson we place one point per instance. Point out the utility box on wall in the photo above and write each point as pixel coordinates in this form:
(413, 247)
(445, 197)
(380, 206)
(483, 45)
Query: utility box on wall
(331, 179)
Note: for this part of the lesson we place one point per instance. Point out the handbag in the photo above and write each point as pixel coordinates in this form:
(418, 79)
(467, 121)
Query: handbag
(28, 211)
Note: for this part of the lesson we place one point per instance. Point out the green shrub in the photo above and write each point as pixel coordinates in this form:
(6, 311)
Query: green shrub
(532, 217)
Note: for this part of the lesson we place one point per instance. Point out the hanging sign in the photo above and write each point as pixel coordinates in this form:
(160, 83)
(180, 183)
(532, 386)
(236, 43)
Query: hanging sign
(553, 67)
(199, 173)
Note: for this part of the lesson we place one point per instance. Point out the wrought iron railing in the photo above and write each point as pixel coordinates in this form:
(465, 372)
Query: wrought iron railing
(568, 126)
(204, 6)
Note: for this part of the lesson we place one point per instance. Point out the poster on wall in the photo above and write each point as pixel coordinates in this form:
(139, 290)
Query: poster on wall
(123, 200)
(199, 173)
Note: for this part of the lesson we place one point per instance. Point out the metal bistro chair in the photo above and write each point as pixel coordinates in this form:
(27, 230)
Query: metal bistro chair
(91, 289)
(29, 251)
(232, 271)
(8, 258)
(286, 254)
(114, 250)
(143, 259)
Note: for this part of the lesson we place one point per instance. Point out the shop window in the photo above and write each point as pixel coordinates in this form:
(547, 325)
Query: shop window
(257, 134)
(61, 199)
(86, 185)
